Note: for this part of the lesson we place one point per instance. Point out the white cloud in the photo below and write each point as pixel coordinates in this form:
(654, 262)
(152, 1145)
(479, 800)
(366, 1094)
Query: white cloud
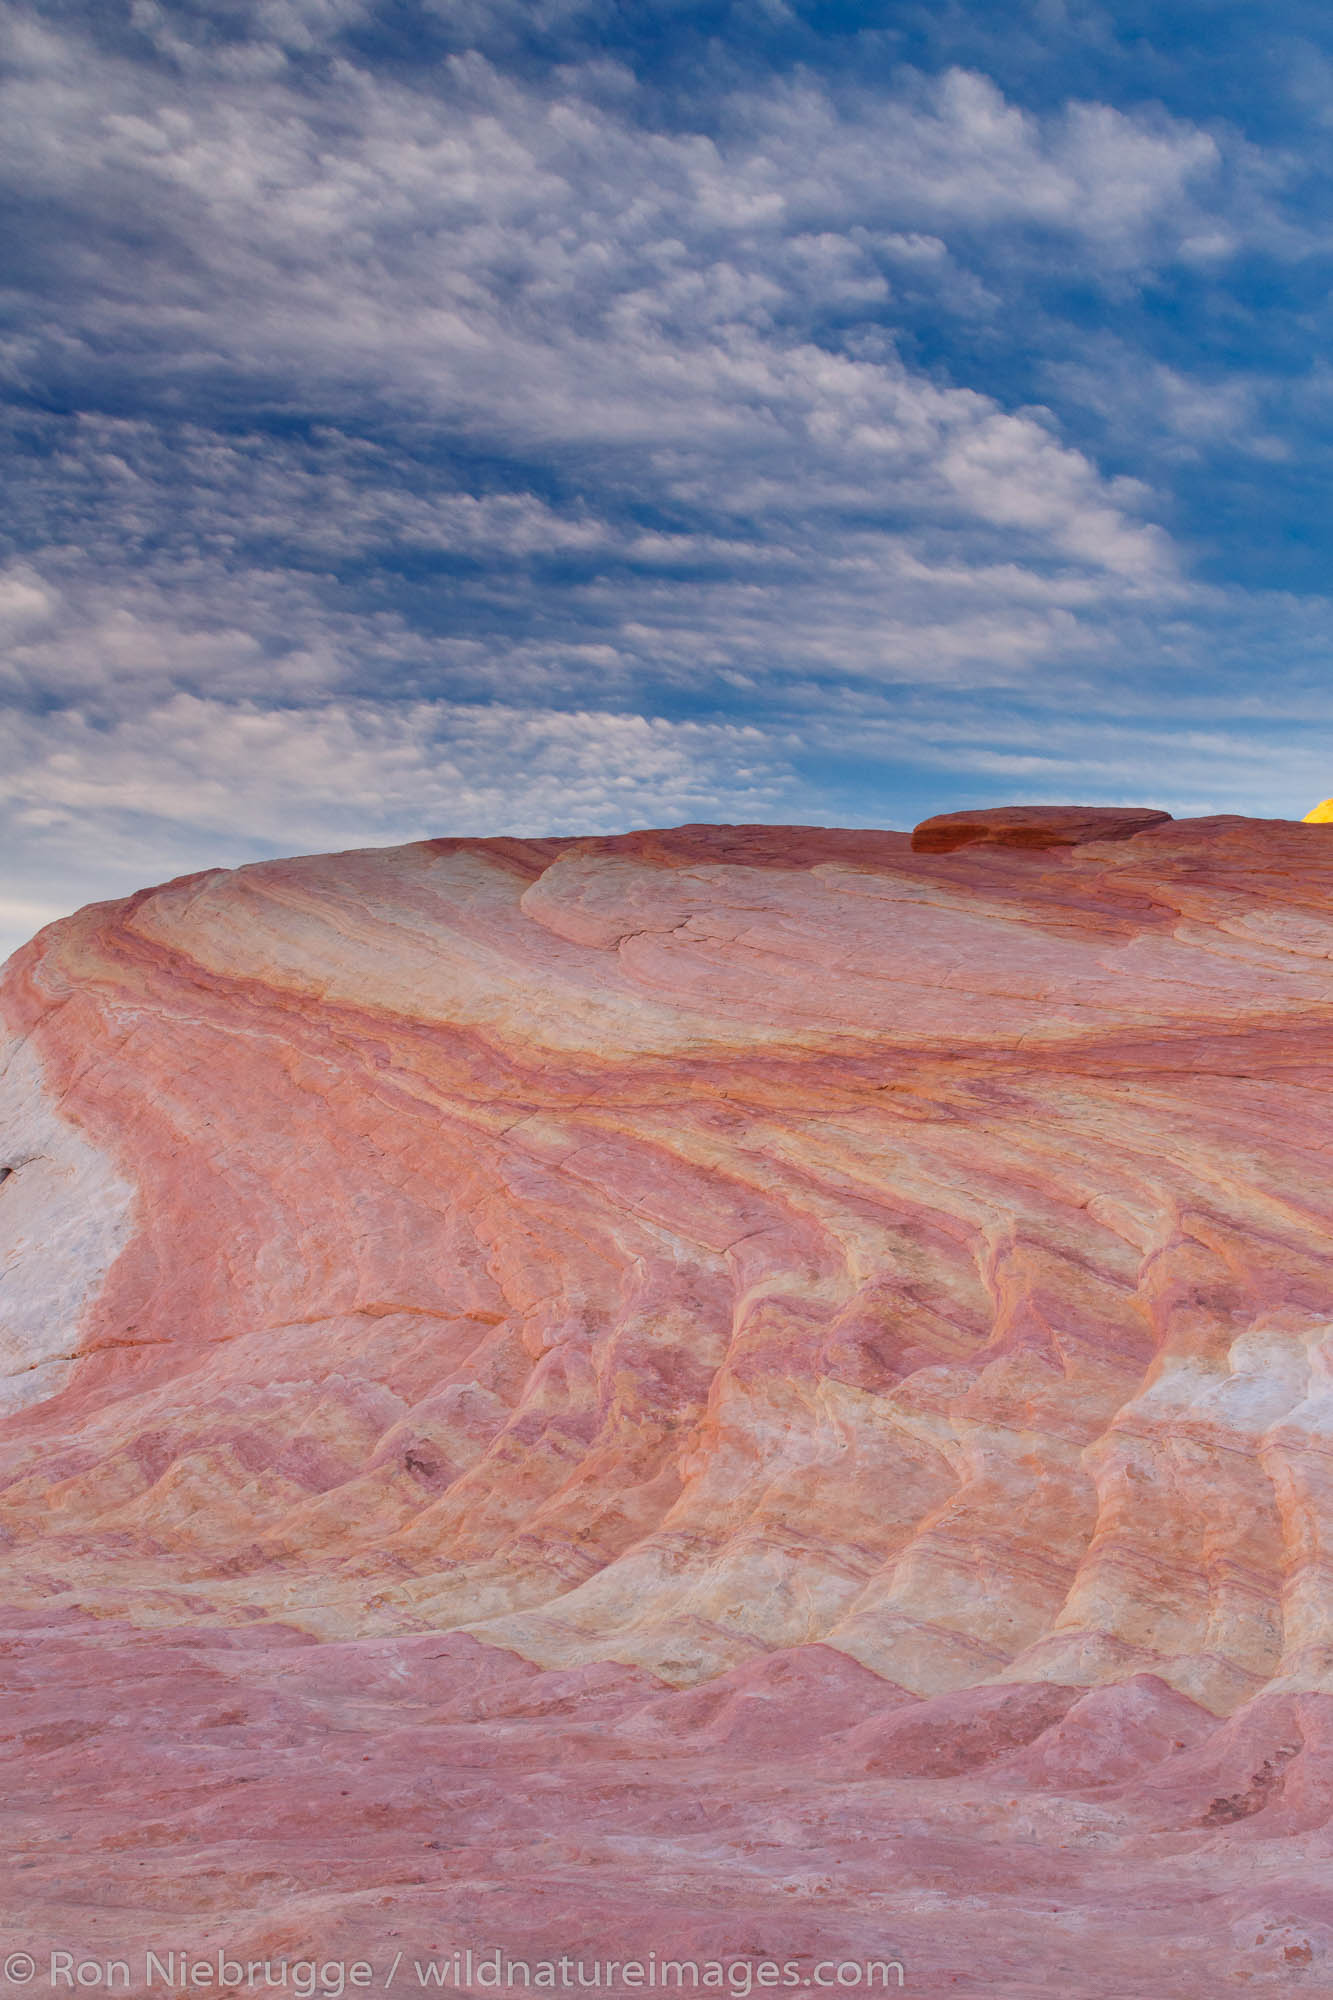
(364, 768)
(475, 254)
(611, 414)
(191, 783)
(536, 270)
(1189, 757)
(205, 565)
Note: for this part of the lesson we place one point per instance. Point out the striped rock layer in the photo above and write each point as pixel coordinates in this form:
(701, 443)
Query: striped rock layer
(705, 1299)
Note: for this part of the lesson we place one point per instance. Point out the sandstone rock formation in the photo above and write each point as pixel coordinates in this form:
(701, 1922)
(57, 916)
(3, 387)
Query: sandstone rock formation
(764, 1389)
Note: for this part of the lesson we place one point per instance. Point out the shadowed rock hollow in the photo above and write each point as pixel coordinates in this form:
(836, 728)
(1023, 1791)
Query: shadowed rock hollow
(759, 1388)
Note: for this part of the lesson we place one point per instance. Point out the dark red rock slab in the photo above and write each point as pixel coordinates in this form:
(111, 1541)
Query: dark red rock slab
(1032, 826)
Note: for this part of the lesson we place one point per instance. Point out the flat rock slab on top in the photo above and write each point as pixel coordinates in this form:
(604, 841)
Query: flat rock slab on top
(1032, 826)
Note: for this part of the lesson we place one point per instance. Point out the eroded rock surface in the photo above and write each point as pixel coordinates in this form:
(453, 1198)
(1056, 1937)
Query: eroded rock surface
(745, 1386)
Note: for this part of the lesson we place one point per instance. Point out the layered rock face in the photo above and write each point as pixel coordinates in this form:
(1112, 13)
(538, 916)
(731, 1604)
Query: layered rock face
(835, 1325)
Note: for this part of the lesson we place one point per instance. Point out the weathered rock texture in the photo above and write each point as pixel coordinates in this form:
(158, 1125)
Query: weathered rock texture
(764, 1389)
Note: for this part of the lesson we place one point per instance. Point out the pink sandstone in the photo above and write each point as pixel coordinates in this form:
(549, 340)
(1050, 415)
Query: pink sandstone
(739, 1392)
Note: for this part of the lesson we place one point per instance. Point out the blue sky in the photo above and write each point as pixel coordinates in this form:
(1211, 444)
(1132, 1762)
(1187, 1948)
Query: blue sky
(434, 416)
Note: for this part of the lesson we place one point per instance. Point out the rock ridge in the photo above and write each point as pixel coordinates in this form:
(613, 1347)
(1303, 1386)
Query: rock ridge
(845, 1298)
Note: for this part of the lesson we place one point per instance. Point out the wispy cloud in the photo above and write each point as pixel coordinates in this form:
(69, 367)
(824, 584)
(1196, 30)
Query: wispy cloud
(450, 416)
(192, 781)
